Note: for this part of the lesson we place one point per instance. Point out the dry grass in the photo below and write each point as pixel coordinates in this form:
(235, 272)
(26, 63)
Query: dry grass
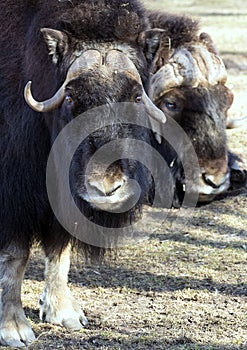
(182, 289)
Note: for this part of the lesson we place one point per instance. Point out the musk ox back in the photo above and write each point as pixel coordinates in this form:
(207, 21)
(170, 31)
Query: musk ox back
(95, 59)
(188, 84)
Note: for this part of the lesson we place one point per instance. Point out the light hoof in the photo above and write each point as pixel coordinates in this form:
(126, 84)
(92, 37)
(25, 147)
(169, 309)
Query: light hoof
(61, 309)
(15, 331)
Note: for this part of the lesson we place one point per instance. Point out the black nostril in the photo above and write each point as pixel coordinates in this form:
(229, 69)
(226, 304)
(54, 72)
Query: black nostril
(105, 188)
(208, 181)
(112, 191)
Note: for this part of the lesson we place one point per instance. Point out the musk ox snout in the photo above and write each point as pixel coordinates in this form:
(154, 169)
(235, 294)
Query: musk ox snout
(214, 178)
(109, 188)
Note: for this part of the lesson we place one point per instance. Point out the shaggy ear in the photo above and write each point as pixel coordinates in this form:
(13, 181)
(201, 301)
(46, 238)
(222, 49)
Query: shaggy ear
(152, 41)
(56, 42)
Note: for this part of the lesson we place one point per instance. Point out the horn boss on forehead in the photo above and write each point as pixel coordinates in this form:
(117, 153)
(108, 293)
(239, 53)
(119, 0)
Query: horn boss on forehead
(188, 66)
(117, 60)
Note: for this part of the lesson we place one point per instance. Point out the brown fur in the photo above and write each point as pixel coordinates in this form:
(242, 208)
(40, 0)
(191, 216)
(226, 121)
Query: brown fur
(200, 111)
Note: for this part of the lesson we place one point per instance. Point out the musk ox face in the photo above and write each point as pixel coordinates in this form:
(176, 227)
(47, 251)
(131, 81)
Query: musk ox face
(188, 84)
(201, 112)
(101, 75)
(108, 187)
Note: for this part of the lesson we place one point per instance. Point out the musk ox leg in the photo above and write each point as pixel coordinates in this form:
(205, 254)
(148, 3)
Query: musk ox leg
(15, 331)
(57, 305)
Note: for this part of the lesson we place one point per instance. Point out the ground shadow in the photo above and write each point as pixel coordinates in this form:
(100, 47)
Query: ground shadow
(109, 277)
(136, 341)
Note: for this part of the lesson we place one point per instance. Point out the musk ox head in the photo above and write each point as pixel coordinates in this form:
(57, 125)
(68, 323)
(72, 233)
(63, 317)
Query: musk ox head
(201, 113)
(99, 73)
(188, 85)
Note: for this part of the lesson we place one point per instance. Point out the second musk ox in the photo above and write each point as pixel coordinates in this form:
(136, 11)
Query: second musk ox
(76, 55)
(187, 83)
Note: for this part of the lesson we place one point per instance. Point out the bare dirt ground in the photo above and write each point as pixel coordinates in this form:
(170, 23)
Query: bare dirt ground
(184, 288)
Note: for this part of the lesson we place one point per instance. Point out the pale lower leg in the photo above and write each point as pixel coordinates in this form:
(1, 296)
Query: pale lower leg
(57, 305)
(14, 327)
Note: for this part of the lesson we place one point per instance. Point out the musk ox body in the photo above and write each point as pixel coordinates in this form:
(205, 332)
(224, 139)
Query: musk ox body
(188, 84)
(72, 56)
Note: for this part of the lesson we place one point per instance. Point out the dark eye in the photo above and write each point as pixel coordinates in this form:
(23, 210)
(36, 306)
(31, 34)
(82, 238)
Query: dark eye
(138, 99)
(68, 100)
(171, 106)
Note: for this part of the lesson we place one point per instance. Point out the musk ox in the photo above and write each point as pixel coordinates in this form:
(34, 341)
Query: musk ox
(187, 83)
(94, 58)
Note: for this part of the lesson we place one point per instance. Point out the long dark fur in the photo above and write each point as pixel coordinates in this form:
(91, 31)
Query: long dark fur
(25, 136)
(181, 29)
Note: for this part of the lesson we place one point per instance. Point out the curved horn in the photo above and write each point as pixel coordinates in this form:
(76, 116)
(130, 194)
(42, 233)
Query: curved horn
(166, 78)
(210, 65)
(236, 123)
(153, 111)
(181, 70)
(117, 59)
(44, 106)
(86, 60)
(188, 67)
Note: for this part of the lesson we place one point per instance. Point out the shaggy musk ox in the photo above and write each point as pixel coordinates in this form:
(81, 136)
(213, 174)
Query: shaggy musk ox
(70, 56)
(188, 84)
